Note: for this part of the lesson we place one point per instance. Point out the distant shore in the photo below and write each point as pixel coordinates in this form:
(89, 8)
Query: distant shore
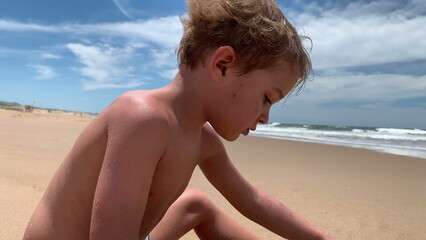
(351, 193)
(13, 106)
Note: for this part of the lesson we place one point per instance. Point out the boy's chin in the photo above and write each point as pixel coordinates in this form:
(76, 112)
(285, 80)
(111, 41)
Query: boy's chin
(230, 137)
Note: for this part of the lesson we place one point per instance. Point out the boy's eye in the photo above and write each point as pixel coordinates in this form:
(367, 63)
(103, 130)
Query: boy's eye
(268, 100)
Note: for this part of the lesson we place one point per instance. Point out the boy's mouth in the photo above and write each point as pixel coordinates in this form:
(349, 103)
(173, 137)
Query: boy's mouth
(246, 132)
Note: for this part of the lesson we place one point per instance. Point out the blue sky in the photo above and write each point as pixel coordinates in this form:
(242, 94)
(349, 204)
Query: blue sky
(369, 56)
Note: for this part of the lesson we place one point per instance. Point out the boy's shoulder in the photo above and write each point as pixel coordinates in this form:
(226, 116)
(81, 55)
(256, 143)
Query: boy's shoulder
(137, 104)
(136, 109)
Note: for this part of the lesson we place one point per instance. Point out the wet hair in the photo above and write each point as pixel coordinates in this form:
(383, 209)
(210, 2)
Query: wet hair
(257, 30)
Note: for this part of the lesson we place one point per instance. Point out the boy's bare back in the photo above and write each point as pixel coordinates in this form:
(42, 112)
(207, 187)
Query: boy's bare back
(135, 143)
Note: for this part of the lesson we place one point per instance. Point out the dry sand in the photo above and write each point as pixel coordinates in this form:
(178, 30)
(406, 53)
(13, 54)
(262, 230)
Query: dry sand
(350, 193)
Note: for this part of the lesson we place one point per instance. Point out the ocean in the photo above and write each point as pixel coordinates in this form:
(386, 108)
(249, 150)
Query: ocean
(399, 141)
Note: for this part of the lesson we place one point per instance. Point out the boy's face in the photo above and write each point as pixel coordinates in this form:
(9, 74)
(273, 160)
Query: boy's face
(248, 98)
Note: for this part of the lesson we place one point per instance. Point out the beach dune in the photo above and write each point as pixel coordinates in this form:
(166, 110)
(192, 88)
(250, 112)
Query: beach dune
(350, 193)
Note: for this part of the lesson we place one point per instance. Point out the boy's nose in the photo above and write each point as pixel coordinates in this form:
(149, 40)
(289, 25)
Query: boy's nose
(263, 119)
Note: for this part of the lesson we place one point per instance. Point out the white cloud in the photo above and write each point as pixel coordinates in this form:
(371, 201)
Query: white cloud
(29, 54)
(43, 71)
(7, 52)
(358, 34)
(108, 65)
(169, 73)
(357, 87)
(105, 66)
(90, 85)
(164, 63)
(50, 56)
(14, 26)
(364, 33)
(164, 31)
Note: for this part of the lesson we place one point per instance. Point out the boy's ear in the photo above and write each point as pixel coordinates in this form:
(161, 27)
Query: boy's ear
(220, 61)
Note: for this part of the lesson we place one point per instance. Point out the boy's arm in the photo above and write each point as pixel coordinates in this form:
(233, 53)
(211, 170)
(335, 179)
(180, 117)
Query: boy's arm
(136, 142)
(253, 203)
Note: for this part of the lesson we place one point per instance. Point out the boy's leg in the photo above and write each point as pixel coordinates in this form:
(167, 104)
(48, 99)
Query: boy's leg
(193, 210)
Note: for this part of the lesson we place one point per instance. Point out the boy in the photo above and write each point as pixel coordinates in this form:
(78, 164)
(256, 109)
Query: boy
(126, 175)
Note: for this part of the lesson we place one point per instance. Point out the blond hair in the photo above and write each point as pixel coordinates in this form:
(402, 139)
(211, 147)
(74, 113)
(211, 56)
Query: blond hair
(257, 30)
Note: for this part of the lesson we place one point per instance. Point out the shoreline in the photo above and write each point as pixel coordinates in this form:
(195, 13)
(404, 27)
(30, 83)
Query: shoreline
(381, 149)
(402, 149)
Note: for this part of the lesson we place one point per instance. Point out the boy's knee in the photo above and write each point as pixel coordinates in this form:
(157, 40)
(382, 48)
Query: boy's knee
(195, 201)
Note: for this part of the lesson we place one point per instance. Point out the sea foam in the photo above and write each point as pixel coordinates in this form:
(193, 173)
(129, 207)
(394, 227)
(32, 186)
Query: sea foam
(400, 141)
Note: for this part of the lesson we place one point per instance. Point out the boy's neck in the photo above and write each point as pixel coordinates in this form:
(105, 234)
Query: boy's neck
(187, 101)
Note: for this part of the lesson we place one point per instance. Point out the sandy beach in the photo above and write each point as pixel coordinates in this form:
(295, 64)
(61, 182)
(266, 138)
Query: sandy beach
(350, 193)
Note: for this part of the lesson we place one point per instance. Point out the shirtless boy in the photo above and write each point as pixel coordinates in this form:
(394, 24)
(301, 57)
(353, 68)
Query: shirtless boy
(126, 175)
